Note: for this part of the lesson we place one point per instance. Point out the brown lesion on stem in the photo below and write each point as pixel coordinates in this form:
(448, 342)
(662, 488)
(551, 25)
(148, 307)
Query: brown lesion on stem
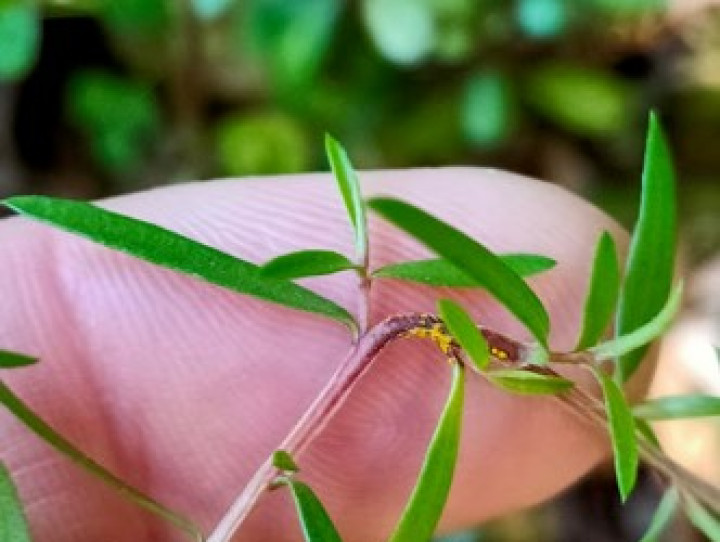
(506, 352)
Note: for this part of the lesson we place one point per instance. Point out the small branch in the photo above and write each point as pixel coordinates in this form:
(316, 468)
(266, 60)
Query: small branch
(363, 306)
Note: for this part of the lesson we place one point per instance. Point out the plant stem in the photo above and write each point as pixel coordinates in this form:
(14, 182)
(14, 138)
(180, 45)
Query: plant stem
(38, 426)
(331, 398)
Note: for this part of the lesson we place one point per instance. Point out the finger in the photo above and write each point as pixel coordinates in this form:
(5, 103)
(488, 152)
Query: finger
(184, 389)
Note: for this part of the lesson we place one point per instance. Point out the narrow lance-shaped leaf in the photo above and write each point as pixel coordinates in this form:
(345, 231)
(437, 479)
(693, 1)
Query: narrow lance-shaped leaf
(13, 526)
(284, 461)
(705, 521)
(306, 263)
(428, 498)
(10, 359)
(622, 434)
(602, 293)
(439, 272)
(314, 520)
(465, 332)
(663, 516)
(650, 264)
(678, 406)
(166, 248)
(350, 189)
(528, 383)
(642, 335)
(41, 429)
(647, 431)
(473, 259)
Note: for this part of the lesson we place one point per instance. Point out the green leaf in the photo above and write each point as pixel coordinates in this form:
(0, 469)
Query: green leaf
(15, 359)
(705, 521)
(168, 249)
(350, 189)
(620, 346)
(465, 332)
(426, 503)
(602, 293)
(646, 430)
(473, 259)
(284, 461)
(542, 19)
(622, 434)
(25, 415)
(13, 526)
(663, 516)
(650, 264)
(528, 383)
(306, 263)
(678, 406)
(404, 31)
(314, 520)
(439, 272)
(20, 38)
(561, 92)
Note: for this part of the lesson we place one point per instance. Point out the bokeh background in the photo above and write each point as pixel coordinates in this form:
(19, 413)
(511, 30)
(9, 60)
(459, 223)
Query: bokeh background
(106, 96)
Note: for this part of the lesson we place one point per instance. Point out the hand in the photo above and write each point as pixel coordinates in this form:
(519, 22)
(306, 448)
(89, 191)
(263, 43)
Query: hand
(183, 389)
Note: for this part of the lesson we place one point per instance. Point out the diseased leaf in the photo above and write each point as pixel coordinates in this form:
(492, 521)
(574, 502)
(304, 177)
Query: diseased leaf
(284, 461)
(169, 249)
(350, 189)
(678, 406)
(528, 383)
(705, 521)
(439, 272)
(314, 520)
(306, 263)
(622, 434)
(602, 293)
(13, 525)
(652, 248)
(465, 332)
(663, 516)
(428, 498)
(14, 359)
(473, 259)
(623, 344)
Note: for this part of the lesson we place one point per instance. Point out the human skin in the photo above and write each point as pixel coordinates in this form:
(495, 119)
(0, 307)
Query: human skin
(183, 389)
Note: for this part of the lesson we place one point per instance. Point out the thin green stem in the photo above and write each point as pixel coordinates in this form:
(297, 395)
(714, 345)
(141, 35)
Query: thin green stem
(38, 426)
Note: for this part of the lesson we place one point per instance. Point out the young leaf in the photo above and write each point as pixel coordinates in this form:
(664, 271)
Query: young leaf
(465, 332)
(423, 510)
(602, 293)
(678, 406)
(473, 259)
(644, 334)
(704, 520)
(13, 526)
(622, 434)
(169, 249)
(663, 516)
(284, 461)
(438, 272)
(652, 248)
(350, 189)
(36, 425)
(528, 383)
(314, 520)
(14, 359)
(306, 263)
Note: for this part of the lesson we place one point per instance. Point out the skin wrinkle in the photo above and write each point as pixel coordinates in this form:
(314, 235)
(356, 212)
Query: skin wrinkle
(177, 391)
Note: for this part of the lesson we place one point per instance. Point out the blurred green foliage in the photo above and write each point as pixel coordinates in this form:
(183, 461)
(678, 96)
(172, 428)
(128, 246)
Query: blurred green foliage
(558, 89)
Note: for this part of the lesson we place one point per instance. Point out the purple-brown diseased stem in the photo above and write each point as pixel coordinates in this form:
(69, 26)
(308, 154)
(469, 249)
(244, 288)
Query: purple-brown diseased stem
(332, 397)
